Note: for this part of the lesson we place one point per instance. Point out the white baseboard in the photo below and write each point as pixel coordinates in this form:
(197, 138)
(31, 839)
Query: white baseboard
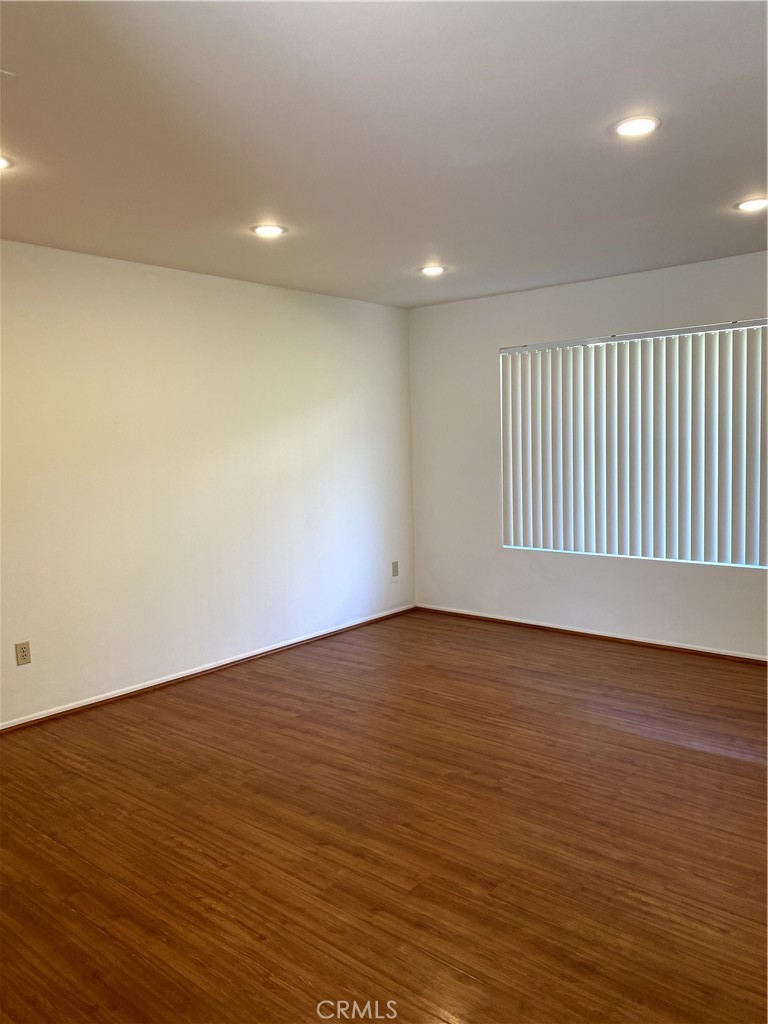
(137, 687)
(593, 632)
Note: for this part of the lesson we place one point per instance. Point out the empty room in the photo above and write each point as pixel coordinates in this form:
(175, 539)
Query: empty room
(384, 520)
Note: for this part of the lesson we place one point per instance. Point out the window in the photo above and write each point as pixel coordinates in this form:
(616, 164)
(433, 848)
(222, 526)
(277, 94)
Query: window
(646, 446)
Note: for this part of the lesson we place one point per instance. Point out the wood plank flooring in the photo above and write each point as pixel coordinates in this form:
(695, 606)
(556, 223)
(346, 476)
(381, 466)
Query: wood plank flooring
(483, 823)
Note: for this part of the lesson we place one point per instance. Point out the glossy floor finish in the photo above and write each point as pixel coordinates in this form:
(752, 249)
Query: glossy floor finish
(480, 822)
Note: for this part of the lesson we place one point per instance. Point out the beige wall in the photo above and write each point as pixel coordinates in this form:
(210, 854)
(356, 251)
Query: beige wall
(456, 459)
(193, 469)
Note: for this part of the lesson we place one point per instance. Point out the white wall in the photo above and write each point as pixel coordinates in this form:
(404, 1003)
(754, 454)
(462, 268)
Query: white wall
(193, 469)
(456, 461)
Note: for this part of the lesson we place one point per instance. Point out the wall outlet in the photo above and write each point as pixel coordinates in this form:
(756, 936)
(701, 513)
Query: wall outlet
(395, 568)
(23, 653)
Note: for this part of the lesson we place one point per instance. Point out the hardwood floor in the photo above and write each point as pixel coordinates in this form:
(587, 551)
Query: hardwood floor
(481, 822)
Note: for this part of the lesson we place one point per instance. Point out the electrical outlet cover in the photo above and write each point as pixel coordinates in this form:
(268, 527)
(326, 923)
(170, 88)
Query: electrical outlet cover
(23, 653)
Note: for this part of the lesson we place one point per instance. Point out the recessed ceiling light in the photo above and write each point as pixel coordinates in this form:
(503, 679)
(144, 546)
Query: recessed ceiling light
(635, 126)
(268, 230)
(432, 270)
(5, 162)
(752, 205)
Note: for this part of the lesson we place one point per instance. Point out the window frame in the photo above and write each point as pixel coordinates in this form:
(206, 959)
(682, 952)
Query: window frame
(761, 322)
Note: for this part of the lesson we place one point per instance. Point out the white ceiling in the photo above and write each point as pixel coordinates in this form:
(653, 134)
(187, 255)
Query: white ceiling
(386, 135)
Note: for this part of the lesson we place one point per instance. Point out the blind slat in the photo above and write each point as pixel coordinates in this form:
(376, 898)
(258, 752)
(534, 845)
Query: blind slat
(763, 505)
(711, 446)
(754, 430)
(527, 458)
(507, 413)
(739, 458)
(578, 449)
(517, 454)
(672, 448)
(558, 540)
(684, 450)
(546, 449)
(725, 447)
(635, 449)
(612, 449)
(536, 467)
(624, 407)
(590, 510)
(659, 455)
(698, 449)
(569, 535)
(601, 495)
(648, 446)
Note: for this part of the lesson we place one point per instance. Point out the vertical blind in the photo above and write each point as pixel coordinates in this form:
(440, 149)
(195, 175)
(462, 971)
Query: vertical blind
(652, 447)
